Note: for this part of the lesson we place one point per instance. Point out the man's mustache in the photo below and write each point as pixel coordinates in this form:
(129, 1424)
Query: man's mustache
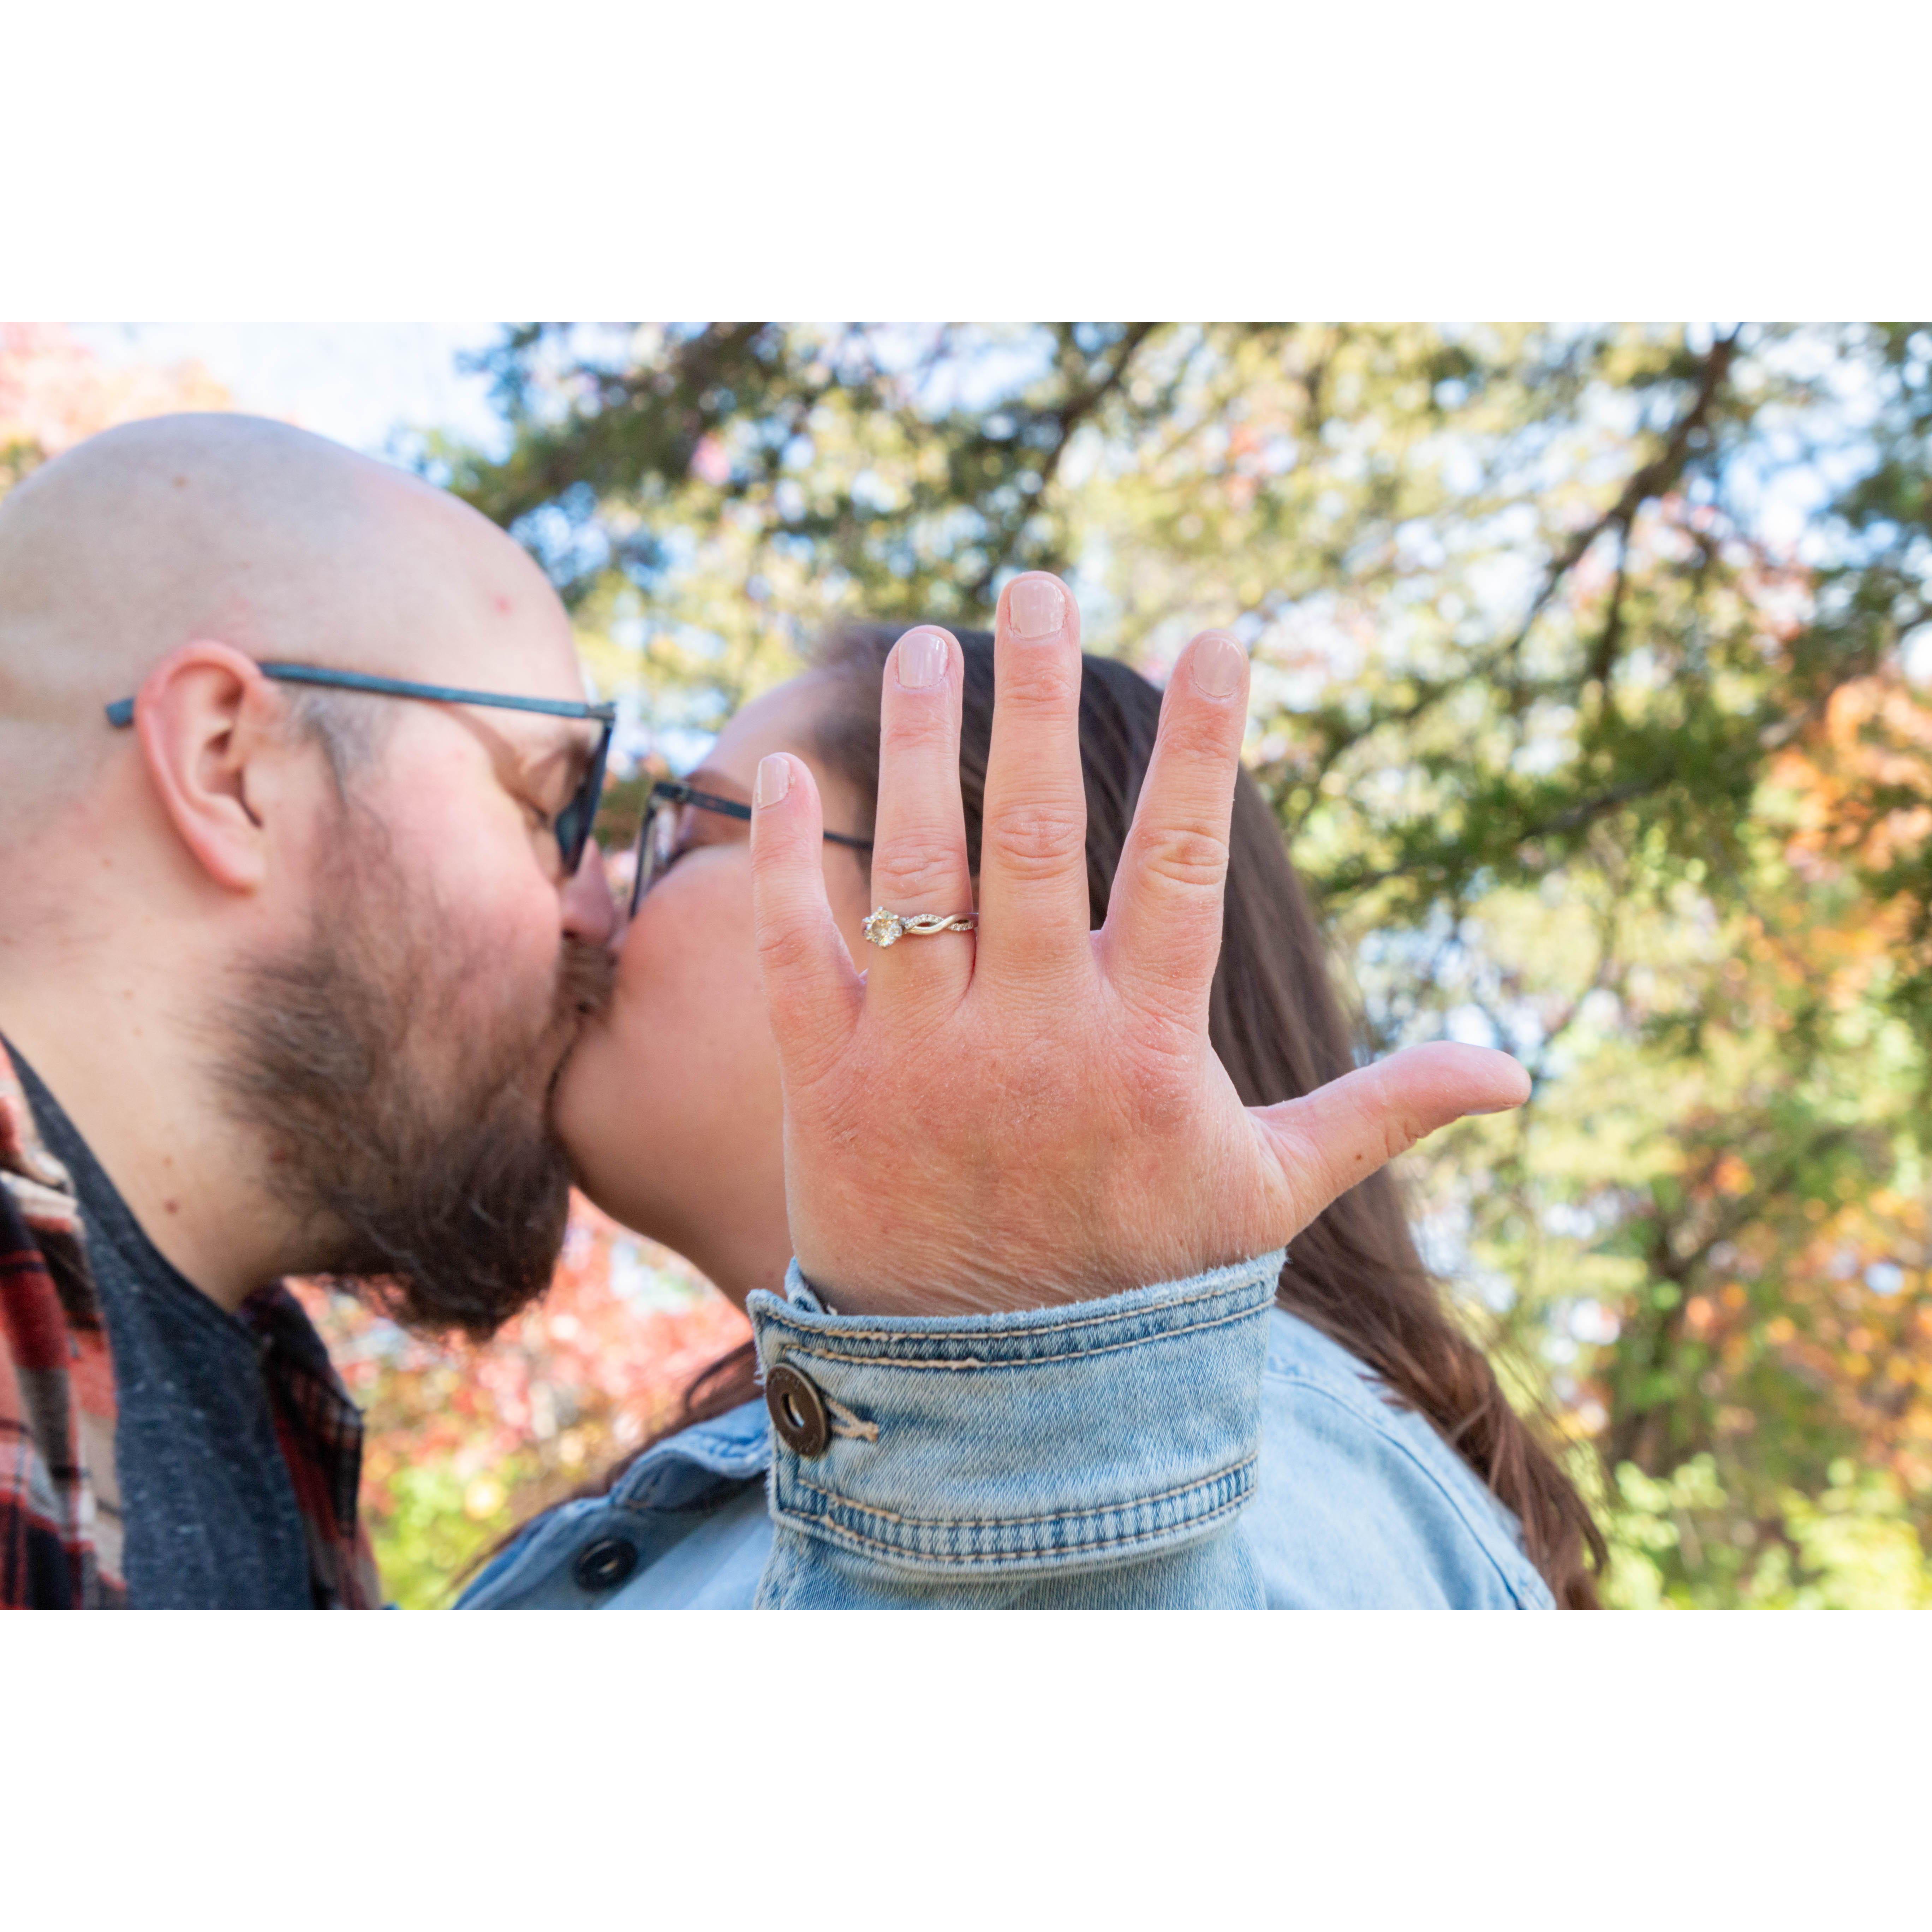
(585, 980)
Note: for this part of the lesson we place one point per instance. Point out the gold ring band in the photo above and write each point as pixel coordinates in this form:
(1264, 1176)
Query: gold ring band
(887, 928)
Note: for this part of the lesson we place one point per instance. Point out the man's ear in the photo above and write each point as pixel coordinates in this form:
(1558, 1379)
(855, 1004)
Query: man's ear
(204, 715)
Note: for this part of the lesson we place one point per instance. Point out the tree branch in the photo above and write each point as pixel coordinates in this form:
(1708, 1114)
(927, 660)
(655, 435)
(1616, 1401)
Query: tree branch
(1067, 419)
(1652, 480)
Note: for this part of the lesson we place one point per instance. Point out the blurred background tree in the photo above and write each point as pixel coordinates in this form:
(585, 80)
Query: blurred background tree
(54, 392)
(1591, 690)
(466, 1441)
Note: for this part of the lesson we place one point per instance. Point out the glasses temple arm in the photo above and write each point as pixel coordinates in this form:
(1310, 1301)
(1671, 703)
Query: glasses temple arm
(121, 712)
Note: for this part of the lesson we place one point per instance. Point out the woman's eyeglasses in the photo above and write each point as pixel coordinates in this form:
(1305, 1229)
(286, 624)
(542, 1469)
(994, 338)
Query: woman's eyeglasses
(659, 838)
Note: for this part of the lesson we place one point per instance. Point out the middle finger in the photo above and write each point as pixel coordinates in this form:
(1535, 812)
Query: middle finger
(1034, 907)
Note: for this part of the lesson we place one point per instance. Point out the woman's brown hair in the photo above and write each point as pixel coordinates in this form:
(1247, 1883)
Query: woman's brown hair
(1280, 1030)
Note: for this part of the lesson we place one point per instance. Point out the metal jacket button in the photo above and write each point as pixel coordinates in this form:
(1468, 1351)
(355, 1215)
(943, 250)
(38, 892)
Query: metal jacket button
(603, 1564)
(798, 1410)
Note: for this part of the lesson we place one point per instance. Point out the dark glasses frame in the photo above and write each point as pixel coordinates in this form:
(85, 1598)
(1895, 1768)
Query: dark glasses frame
(675, 791)
(571, 826)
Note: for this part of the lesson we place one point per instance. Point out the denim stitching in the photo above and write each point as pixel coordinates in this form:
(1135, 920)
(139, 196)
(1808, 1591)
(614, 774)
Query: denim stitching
(1014, 1522)
(845, 1422)
(1054, 1328)
(826, 1526)
(812, 1353)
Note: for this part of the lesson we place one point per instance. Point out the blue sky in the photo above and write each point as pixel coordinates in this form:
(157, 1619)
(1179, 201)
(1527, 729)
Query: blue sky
(359, 382)
(356, 382)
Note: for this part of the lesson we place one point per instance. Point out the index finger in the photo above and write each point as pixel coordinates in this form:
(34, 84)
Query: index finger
(1163, 931)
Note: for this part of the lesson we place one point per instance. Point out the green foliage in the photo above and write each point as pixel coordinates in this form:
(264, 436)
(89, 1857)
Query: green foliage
(1681, 1542)
(429, 1532)
(1584, 689)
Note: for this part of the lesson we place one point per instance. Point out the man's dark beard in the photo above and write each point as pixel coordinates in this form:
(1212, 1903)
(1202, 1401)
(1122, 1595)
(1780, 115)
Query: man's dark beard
(417, 1154)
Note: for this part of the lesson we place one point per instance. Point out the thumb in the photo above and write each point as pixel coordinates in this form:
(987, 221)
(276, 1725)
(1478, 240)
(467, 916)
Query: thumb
(1328, 1140)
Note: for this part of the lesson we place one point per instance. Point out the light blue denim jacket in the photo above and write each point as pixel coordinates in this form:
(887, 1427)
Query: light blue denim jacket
(1189, 1445)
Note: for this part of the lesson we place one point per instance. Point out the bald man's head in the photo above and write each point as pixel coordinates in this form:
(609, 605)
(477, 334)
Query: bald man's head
(253, 534)
(375, 980)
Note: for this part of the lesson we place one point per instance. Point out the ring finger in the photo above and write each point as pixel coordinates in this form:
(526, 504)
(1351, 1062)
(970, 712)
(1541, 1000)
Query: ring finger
(919, 841)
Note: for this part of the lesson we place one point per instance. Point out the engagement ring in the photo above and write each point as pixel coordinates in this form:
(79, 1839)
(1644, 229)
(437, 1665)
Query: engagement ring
(887, 928)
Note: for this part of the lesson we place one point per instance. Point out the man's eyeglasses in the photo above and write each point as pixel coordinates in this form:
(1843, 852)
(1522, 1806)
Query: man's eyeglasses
(571, 826)
(657, 840)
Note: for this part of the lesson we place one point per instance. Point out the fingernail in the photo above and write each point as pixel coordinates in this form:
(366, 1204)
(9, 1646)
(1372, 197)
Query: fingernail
(774, 779)
(1219, 662)
(1035, 607)
(921, 660)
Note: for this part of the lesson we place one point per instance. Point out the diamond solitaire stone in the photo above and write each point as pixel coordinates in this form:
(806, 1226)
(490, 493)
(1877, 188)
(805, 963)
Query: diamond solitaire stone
(883, 927)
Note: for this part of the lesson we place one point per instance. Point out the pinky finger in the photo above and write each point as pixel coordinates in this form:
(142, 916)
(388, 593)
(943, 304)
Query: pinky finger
(813, 994)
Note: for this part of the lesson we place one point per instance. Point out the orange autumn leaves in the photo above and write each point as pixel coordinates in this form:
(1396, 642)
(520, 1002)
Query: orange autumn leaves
(465, 1441)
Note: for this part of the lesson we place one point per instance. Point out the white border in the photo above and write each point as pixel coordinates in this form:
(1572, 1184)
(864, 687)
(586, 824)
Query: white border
(1501, 158)
(967, 1770)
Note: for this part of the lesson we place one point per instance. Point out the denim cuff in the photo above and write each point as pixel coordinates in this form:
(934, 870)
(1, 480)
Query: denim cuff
(1074, 1438)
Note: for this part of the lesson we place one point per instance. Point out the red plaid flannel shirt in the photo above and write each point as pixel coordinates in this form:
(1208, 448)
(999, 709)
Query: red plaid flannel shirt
(60, 1502)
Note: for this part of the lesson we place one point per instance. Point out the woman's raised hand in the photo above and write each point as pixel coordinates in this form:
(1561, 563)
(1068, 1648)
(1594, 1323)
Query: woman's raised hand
(1032, 1113)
